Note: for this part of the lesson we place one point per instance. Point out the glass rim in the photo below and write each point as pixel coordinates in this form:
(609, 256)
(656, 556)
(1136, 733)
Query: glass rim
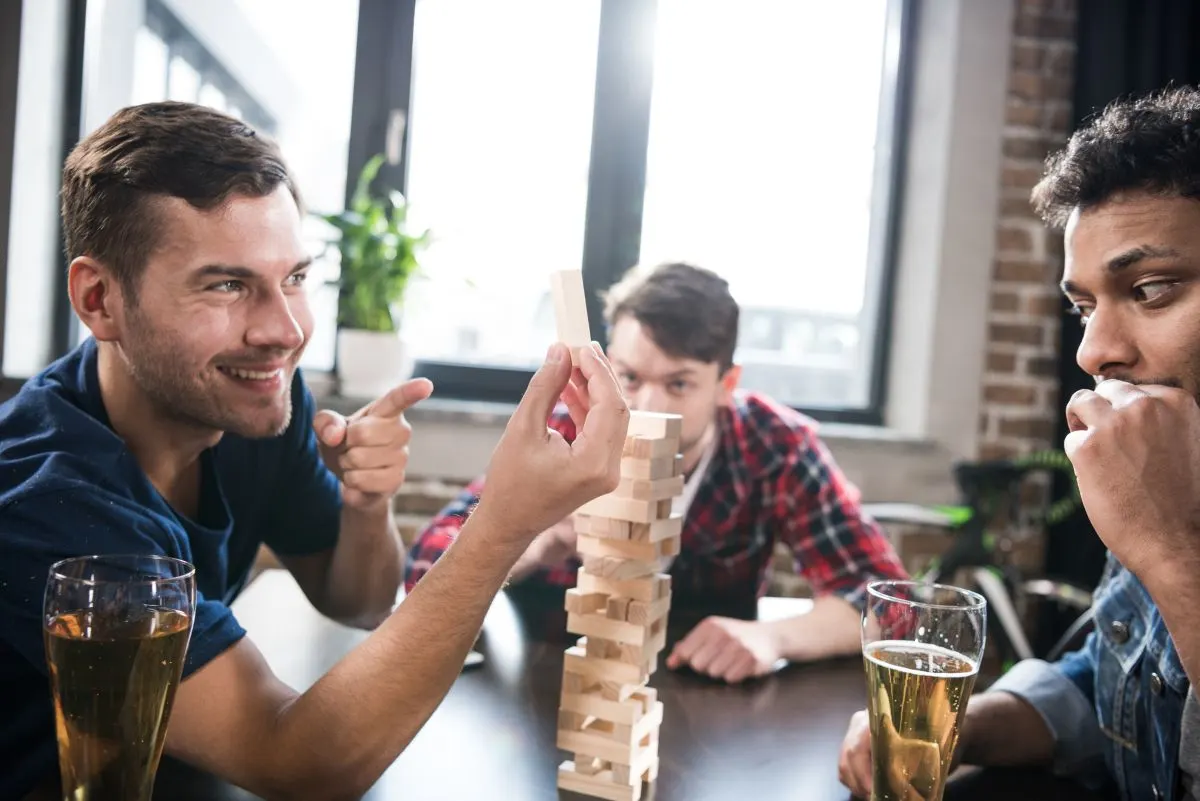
(56, 574)
(977, 600)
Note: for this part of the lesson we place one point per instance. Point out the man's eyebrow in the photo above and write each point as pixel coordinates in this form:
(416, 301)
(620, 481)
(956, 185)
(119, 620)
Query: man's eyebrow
(210, 271)
(1140, 253)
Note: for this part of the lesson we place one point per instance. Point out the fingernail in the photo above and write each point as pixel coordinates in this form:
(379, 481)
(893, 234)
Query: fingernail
(596, 349)
(554, 354)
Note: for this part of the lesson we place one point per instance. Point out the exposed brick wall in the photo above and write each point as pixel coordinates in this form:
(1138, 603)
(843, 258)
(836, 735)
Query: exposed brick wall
(1020, 389)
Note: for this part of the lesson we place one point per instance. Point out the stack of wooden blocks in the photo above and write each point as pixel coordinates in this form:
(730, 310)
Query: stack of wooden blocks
(608, 718)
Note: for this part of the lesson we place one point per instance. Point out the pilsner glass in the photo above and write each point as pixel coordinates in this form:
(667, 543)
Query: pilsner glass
(116, 632)
(922, 644)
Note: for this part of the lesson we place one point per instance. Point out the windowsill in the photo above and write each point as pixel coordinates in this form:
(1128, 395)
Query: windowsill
(448, 411)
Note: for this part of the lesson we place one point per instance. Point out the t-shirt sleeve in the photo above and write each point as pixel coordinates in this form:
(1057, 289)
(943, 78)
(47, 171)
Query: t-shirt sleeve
(37, 531)
(307, 497)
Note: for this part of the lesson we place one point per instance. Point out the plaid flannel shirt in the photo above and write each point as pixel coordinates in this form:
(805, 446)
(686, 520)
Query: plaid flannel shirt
(770, 479)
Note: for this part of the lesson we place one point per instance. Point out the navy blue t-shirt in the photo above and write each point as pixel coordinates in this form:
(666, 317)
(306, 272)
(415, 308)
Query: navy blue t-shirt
(69, 487)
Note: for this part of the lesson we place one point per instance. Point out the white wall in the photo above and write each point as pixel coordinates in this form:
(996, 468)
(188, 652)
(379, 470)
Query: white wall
(33, 245)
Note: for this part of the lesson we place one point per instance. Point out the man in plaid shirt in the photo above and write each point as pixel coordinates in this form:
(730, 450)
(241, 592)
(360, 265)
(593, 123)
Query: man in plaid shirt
(756, 474)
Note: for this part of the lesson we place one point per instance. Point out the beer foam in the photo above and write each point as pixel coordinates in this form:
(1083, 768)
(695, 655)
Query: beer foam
(916, 650)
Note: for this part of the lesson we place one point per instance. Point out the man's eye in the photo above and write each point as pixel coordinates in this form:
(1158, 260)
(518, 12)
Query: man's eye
(1081, 312)
(297, 279)
(1152, 291)
(228, 286)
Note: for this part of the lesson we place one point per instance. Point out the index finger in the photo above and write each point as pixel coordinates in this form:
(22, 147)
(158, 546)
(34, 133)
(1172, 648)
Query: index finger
(1119, 393)
(397, 400)
(607, 420)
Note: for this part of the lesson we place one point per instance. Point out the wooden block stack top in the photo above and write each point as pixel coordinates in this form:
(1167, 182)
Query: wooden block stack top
(608, 718)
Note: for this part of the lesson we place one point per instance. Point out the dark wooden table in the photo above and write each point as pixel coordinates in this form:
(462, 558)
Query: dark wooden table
(494, 735)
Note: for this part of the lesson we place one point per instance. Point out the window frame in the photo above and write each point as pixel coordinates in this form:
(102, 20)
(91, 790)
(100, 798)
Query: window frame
(617, 169)
(617, 174)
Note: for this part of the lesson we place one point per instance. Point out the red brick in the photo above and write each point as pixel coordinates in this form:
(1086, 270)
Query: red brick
(1031, 428)
(996, 450)
(1005, 301)
(1020, 177)
(1059, 62)
(1001, 363)
(1028, 56)
(1056, 118)
(1009, 394)
(1028, 86)
(1015, 334)
(1043, 305)
(1012, 240)
(1026, 148)
(1017, 112)
(1042, 367)
(1024, 271)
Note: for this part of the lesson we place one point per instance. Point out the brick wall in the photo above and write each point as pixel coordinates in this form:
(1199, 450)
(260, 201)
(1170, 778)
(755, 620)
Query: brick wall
(1020, 390)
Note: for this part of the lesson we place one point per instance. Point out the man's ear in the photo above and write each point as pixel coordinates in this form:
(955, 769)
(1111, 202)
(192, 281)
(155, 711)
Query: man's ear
(729, 382)
(96, 297)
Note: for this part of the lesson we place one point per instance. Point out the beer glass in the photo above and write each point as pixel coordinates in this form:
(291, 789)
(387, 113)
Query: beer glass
(922, 644)
(116, 630)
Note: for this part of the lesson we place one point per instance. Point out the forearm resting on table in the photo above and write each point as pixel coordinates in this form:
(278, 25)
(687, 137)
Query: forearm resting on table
(1002, 730)
(336, 739)
(829, 629)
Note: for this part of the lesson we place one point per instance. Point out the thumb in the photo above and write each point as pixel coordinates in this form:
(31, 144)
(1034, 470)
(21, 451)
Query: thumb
(544, 388)
(330, 427)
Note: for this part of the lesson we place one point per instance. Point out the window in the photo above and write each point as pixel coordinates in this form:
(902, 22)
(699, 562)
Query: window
(500, 133)
(285, 66)
(763, 149)
(757, 138)
(761, 167)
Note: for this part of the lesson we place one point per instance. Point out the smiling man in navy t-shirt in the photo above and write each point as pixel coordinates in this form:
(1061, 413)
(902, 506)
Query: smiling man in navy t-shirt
(183, 427)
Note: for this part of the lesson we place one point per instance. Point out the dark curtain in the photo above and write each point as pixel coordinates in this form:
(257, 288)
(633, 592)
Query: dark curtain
(1124, 47)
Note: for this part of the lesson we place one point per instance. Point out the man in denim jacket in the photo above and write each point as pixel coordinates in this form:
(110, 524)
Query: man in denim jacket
(1120, 711)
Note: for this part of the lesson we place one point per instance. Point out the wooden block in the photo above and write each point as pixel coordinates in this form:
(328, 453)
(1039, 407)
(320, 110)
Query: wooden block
(645, 588)
(604, 527)
(643, 654)
(570, 310)
(622, 549)
(670, 547)
(646, 448)
(618, 569)
(599, 785)
(597, 625)
(589, 765)
(649, 489)
(610, 528)
(606, 748)
(617, 732)
(594, 704)
(643, 613)
(570, 720)
(591, 671)
(618, 608)
(583, 603)
(655, 425)
(650, 469)
(600, 649)
(632, 509)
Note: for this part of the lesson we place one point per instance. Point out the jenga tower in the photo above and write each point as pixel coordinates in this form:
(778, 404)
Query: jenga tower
(608, 718)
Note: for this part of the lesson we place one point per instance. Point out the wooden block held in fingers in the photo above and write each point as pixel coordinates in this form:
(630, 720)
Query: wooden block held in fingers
(650, 469)
(631, 509)
(655, 425)
(570, 310)
(645, 448)
(649, 489)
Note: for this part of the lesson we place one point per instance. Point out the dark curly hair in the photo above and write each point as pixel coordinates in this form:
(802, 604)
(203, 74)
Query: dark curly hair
(1149, 143)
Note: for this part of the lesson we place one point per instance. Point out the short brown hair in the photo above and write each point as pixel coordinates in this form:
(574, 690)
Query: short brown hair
(688, 311)
(112, 177)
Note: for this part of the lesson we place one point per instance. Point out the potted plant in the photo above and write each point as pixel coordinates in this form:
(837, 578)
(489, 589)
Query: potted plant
(378, 259)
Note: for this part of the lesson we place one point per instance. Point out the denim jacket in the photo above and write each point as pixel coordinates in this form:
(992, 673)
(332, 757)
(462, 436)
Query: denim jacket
(1116, 706)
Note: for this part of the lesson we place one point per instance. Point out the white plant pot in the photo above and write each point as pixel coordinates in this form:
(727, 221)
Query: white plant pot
(371, 362)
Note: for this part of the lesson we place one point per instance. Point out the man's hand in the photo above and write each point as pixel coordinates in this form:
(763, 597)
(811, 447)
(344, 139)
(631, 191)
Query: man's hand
(728, 649)
(368, 451)
(1136, 454)
(536, 478)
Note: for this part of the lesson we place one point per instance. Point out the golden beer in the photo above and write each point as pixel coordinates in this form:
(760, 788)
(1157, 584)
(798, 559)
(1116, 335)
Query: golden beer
(113, 679)
(917, 696)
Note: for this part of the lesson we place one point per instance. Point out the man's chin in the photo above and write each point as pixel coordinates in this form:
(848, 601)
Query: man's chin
(260, 426)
